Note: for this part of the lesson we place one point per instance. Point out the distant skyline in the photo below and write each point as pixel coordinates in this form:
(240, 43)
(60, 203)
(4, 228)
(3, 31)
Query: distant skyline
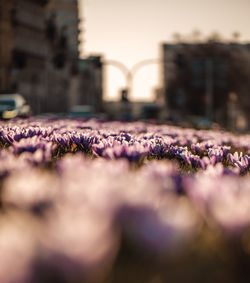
(132, 30)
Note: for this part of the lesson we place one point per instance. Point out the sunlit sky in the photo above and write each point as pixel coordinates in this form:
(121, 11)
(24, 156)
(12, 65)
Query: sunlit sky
(131, 30)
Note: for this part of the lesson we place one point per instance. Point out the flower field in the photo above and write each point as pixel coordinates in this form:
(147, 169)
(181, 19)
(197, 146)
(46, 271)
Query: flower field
(92, 201)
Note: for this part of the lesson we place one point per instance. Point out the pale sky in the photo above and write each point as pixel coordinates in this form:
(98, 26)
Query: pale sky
(131, 30)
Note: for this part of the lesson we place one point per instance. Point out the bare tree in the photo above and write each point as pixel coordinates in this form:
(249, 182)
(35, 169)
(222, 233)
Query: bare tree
(215, 36)
(196, 35)
(236, 36)
(177, 37)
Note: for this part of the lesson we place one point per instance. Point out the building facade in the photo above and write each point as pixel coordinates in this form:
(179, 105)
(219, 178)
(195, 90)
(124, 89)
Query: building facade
(39, 56)
(6, 42)
(66, 18)
(198, 79)
(30, 52)
(91, 82)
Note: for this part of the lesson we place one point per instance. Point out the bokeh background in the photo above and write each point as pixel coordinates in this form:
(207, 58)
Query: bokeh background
(185, 62)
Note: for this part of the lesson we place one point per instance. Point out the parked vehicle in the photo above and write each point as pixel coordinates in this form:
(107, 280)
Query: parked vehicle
(13, 105)
(84, 111)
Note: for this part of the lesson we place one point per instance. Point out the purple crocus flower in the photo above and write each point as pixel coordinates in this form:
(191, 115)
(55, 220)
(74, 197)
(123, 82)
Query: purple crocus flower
(240, 161)
(158, 150)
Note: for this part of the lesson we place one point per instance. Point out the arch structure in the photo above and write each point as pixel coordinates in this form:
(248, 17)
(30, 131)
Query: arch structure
(130, 73)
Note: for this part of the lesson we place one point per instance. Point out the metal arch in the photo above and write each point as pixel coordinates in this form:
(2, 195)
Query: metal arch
(122, 68)
(129, 73)
(143, 63)
(117, 64)
(138, 66)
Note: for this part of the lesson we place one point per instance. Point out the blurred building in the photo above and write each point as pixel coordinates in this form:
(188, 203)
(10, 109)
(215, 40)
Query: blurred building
(65, 15)
(90, 87)
(6, 42)
(62, 34)
(24, 52)
(198, 80)
(39, 56)
(30, 52)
